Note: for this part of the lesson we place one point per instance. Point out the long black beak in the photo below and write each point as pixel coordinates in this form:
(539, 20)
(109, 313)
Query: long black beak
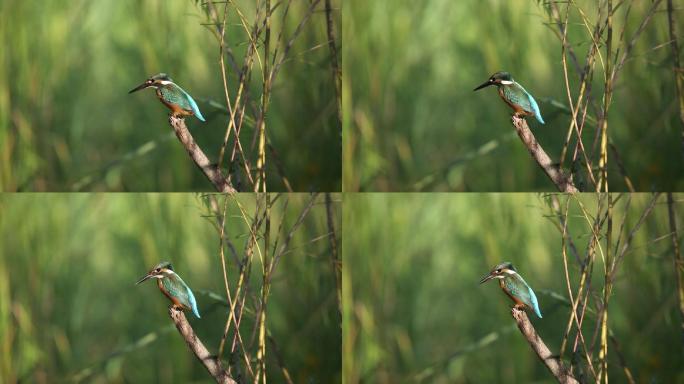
(483, 85)
(144, 278)
(486, 278)
(141, 86)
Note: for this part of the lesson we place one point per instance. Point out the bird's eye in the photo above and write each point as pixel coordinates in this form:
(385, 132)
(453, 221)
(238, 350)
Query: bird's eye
(498, 271)
(158, 269)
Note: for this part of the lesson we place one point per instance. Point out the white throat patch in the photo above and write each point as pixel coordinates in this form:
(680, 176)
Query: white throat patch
(506, 82)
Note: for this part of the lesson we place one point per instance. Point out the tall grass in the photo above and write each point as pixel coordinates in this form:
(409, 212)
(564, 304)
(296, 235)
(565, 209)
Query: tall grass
(68, 123)
(414, 311)
(69, 309)
(413, 122)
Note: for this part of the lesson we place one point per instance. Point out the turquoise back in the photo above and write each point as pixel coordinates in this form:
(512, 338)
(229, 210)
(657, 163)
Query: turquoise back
(516, 94)
(178, 289)
(517, 287)
(176, 95)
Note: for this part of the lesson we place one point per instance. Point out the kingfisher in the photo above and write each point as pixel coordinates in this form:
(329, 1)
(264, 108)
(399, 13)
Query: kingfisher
(174, 97)
(515, 287)
(514, 95)
(173, 287)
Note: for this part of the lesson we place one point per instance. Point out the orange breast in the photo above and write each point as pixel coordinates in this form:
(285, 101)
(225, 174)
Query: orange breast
(166, 293)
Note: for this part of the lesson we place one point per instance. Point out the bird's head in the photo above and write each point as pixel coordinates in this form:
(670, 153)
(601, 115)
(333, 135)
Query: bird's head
(155, 81)
(499, 272)
(499, 78)
(159, 271)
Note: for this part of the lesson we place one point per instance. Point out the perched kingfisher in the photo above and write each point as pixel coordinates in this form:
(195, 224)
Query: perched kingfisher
(173, 287)
(179, 102)
(515, 287)
(514, 95)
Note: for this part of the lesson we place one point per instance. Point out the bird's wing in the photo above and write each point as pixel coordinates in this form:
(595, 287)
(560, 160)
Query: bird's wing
(193, 105)
(181, 291)
(529, 104)
(526, 294)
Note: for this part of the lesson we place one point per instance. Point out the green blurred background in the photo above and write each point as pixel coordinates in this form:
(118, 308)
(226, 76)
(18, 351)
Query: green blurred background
(414, 312)
(413, 122)
(69, 307)
(67, 121)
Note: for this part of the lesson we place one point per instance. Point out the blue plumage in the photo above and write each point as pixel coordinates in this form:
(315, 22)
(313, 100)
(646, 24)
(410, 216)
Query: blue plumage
(514, 95)
(198, 114)
(535, 109)
(515, 286)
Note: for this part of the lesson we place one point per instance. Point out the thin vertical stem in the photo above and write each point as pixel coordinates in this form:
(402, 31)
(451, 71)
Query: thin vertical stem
(678, 263)
(678, 72)
(603, 352)
(265, 96)
(608, 87)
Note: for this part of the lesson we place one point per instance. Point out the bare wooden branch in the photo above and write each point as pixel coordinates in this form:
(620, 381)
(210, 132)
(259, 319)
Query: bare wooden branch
(336, 264)
(678, 73)
(554, 172)
(334, 61)
(678, 262)
(211, 363)
(211, 171)
(553, 363)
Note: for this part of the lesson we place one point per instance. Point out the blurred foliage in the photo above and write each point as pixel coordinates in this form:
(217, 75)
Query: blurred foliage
(413, 122)
(67, 121)
(69, 308)
(414, 312)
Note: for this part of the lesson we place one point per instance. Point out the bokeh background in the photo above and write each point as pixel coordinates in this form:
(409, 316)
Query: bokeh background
(68, 123)
(414, 311)
(413, 123)
(70, 310)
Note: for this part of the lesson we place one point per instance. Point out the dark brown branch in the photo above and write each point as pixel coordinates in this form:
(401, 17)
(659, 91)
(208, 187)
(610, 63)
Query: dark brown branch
(334, 61)
(679, 77)
(334, 257)
(211, 171)
(678, 262)
(211, 363)
(561, 180)
(553, 363)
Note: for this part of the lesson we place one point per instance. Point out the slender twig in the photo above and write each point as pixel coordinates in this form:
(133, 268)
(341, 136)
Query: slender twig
(211, 363)
(211, 171)
(553, 363)
(232, 319)
(265, 100)
(279, 359)
(336, 264)
(607, 288)
(621, 359)
(602, 185)
(678, 262)
(583, 87)
(678, 70)
(265, 289)
(563, 182)
(334, 61)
